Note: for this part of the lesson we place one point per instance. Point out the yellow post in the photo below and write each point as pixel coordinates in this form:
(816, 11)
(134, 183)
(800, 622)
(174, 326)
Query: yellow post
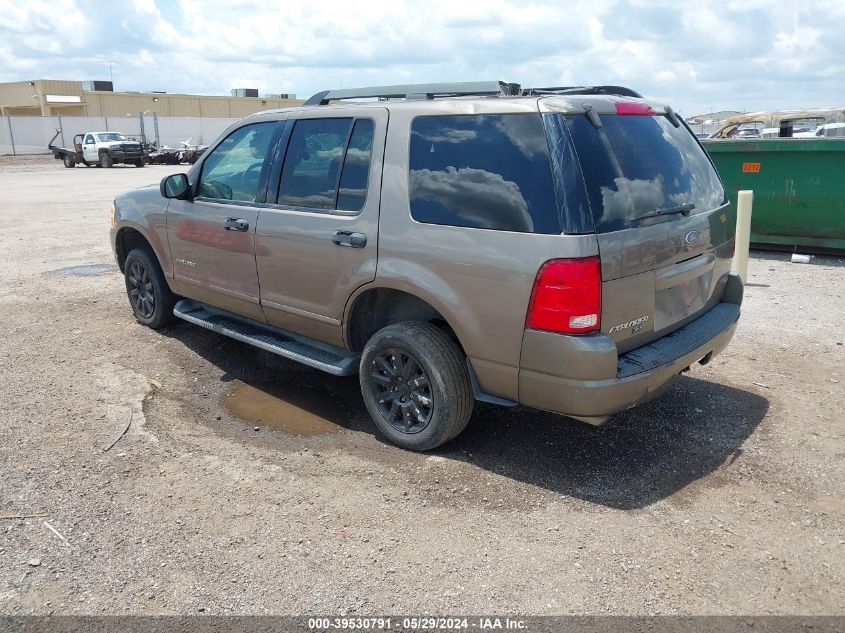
(743, 233)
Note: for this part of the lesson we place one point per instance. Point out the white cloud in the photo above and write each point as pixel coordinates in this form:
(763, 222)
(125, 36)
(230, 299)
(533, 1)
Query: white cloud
(479, 197)
(739, 54)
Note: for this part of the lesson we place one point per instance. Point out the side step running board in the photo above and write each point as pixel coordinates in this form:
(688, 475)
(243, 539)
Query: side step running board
(333, 360)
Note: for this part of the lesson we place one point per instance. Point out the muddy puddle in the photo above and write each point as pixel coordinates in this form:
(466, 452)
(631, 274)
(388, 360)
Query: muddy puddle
(84, 270)
(289, 408)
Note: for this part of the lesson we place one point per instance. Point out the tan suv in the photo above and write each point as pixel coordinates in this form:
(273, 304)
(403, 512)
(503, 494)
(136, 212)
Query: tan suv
(564, 248)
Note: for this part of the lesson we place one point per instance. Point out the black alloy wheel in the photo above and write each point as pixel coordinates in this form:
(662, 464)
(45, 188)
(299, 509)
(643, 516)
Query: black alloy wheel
(402, 390)
(141, 290)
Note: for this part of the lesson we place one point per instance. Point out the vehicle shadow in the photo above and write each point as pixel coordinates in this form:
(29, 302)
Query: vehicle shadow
(636, 459)
(332, 400)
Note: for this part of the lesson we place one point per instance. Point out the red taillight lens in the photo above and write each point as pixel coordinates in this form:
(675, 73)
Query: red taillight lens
(636, 109)
(566, 297)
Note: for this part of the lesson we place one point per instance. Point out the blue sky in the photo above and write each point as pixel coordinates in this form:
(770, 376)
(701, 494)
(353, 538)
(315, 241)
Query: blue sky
(743, 55)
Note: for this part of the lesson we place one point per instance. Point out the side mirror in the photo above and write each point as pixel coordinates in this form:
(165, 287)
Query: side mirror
(175, 186)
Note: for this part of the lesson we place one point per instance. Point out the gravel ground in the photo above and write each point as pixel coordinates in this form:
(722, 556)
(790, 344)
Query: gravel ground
(722, 496)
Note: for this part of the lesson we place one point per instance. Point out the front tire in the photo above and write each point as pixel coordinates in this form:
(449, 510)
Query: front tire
(139, 162)
(148, 292)
(415, 384)
(106, 160)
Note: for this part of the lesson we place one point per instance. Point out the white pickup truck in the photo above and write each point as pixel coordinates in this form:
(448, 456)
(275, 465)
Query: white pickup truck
(103, 149)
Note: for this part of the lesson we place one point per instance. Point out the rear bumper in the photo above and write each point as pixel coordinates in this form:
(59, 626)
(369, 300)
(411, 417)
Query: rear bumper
(583, 377)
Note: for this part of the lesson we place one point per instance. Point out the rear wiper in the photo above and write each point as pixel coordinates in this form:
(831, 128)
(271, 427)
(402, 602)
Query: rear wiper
(683, 209)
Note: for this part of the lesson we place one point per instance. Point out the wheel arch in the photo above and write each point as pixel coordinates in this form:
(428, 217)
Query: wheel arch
(373, 307)
(128, 238)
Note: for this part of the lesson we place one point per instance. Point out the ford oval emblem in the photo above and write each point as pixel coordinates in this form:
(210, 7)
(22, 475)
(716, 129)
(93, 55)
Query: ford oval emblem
(691, 238)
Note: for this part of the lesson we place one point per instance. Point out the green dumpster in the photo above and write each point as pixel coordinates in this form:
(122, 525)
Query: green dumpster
(798, 185)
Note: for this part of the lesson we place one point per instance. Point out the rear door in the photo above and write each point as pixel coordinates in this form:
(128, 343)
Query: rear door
(317, 240)
(212, 237)
(658, 271)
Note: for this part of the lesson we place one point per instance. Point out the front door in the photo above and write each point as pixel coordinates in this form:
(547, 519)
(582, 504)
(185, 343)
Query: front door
(212, 237)
(89, 149)
(317, 242)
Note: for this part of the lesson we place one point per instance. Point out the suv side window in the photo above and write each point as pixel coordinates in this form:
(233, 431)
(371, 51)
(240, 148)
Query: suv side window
(89, 139)
(233, 169)
(327, 164)
(482, 171)
(356, 167)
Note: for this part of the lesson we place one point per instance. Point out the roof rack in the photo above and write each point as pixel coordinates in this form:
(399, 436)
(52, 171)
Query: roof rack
(620, 91)
(419, 91)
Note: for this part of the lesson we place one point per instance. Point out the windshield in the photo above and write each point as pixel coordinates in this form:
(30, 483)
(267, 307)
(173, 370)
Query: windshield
(111, 136)
(635, 166)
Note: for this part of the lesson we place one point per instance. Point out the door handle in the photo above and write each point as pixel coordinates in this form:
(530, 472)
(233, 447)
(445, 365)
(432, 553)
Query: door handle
(236, 224)
(348, 238)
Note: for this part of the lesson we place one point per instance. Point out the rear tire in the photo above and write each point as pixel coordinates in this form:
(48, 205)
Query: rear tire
(149, 295)
(106, 160)
(69, 160)
(415, 384)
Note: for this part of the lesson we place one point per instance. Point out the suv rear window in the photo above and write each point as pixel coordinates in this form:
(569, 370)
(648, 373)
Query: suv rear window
(482, 171)
(634, 165)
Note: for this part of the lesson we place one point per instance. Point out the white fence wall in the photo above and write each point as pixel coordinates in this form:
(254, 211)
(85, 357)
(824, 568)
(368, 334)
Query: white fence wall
(32, 134)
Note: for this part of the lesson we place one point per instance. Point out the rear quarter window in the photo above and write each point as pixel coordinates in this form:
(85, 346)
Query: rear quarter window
(482, 171)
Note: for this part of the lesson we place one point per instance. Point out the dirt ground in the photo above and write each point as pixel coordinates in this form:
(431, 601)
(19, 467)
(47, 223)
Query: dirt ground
(725, 495)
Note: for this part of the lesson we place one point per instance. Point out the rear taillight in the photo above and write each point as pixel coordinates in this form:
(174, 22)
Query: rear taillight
(732, 247)
(641, 109)
(566, 297)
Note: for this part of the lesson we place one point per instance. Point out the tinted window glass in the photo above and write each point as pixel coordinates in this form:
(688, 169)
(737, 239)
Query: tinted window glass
(111, 136)
(312, 163)
(636, 165)
(356, 167)
(233, 170)
(485, 171)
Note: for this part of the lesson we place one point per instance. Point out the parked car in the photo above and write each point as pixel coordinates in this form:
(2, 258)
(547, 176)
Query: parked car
(100, 149)
(450, 243)
(830, 130)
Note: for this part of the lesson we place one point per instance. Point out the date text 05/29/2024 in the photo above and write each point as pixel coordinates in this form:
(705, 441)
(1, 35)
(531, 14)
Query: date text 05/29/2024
(416, 624)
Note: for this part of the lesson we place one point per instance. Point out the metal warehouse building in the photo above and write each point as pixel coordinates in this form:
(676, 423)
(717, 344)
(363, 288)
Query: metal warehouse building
(47, 97)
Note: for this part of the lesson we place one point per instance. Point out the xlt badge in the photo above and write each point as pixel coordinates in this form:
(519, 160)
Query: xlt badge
(636, 325)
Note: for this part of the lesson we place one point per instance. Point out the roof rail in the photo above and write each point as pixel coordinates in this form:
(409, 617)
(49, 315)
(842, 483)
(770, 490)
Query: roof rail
(418, 91)
(621, 91)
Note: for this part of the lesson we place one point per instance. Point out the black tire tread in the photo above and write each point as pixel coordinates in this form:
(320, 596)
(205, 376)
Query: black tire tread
(165, 299)
(456, 371)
